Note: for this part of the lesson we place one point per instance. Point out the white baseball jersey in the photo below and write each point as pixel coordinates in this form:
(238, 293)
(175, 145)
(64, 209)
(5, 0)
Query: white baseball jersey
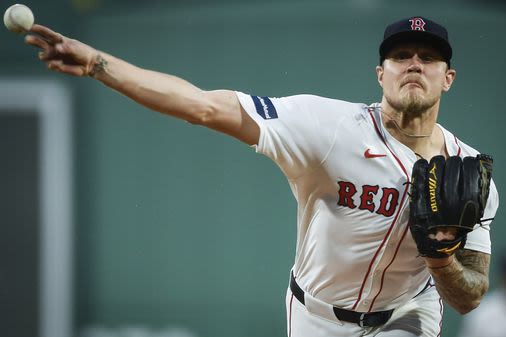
(350, 179)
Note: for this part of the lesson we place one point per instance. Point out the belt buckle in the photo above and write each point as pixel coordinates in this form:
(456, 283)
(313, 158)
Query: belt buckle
(361, 322)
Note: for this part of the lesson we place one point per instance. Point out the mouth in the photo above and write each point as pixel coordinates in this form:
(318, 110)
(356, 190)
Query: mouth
(416, 84)
(412, 83)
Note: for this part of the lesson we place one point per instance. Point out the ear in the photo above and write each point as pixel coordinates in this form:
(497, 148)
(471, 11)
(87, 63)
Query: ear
(379, 73)
(449, 78)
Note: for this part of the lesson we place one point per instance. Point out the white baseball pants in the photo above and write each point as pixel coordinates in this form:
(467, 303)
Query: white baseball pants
(420, 317)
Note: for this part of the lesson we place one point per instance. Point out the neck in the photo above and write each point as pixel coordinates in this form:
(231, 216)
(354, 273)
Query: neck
(415, 130)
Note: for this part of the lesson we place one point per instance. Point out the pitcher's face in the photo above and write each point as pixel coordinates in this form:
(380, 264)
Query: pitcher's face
(413, 77)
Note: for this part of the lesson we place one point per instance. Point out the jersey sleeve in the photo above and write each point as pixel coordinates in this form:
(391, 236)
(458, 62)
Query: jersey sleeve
(297, 132)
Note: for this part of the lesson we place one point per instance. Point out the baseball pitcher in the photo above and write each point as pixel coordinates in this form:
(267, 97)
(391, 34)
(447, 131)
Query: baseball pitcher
(394, 210)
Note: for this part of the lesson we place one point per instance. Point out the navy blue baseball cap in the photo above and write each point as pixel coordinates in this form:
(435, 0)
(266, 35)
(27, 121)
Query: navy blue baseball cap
(416, 29)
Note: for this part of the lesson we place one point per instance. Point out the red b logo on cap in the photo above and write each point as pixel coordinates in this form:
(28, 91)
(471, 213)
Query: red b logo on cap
(417, 24)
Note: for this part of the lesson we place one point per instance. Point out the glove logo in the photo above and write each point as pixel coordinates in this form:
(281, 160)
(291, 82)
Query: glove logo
(432, 189)
(449, 250)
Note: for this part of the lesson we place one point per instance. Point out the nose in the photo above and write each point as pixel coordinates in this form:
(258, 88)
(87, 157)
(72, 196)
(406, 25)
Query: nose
(415, 64)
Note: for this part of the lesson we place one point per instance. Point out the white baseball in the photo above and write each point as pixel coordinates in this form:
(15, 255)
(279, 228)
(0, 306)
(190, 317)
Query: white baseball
(18, 18)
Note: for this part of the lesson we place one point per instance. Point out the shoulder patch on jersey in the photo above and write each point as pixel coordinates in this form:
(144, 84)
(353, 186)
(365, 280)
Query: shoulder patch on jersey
(264, 107)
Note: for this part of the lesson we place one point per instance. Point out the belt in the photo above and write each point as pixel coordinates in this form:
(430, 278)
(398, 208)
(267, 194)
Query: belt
(363, 319)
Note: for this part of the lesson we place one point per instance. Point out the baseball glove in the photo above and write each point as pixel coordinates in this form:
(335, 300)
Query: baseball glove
(447, 195)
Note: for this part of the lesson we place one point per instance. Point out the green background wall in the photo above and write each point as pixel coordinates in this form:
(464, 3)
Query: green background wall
(179, 225)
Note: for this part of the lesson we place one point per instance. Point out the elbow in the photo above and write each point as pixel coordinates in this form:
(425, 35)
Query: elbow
(202, 114)
(464, 309)
(474, 303)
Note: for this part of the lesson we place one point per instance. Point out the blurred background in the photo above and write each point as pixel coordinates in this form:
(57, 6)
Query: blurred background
(175, 230)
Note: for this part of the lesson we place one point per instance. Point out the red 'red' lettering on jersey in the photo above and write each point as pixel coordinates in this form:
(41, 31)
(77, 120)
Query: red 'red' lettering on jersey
(387, 205)
(366, 198)
(388, 202)
(346, 192)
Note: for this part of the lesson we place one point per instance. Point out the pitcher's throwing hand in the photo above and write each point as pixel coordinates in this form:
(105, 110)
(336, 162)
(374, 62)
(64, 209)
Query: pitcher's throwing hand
(61, 53)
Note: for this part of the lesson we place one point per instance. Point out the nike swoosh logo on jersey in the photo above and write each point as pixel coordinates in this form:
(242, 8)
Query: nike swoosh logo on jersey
(368, 154)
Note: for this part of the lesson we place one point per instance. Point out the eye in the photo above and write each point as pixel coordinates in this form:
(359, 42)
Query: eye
(427, 57)
(401, 55)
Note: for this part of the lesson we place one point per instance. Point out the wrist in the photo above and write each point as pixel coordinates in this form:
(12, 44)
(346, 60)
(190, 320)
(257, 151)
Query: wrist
(98, 65)
(434, 263)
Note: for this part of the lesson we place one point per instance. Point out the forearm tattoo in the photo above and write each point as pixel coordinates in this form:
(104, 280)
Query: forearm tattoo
(463, 282)
(99, 65)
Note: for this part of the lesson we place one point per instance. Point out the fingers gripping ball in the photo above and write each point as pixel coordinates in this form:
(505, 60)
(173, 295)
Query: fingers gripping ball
(18, 18)
(447, 195)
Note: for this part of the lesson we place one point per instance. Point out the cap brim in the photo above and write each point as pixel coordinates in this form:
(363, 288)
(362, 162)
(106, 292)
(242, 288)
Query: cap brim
(416, 36)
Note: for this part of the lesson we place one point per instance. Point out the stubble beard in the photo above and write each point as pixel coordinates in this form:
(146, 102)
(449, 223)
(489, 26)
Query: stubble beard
(411, 103)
